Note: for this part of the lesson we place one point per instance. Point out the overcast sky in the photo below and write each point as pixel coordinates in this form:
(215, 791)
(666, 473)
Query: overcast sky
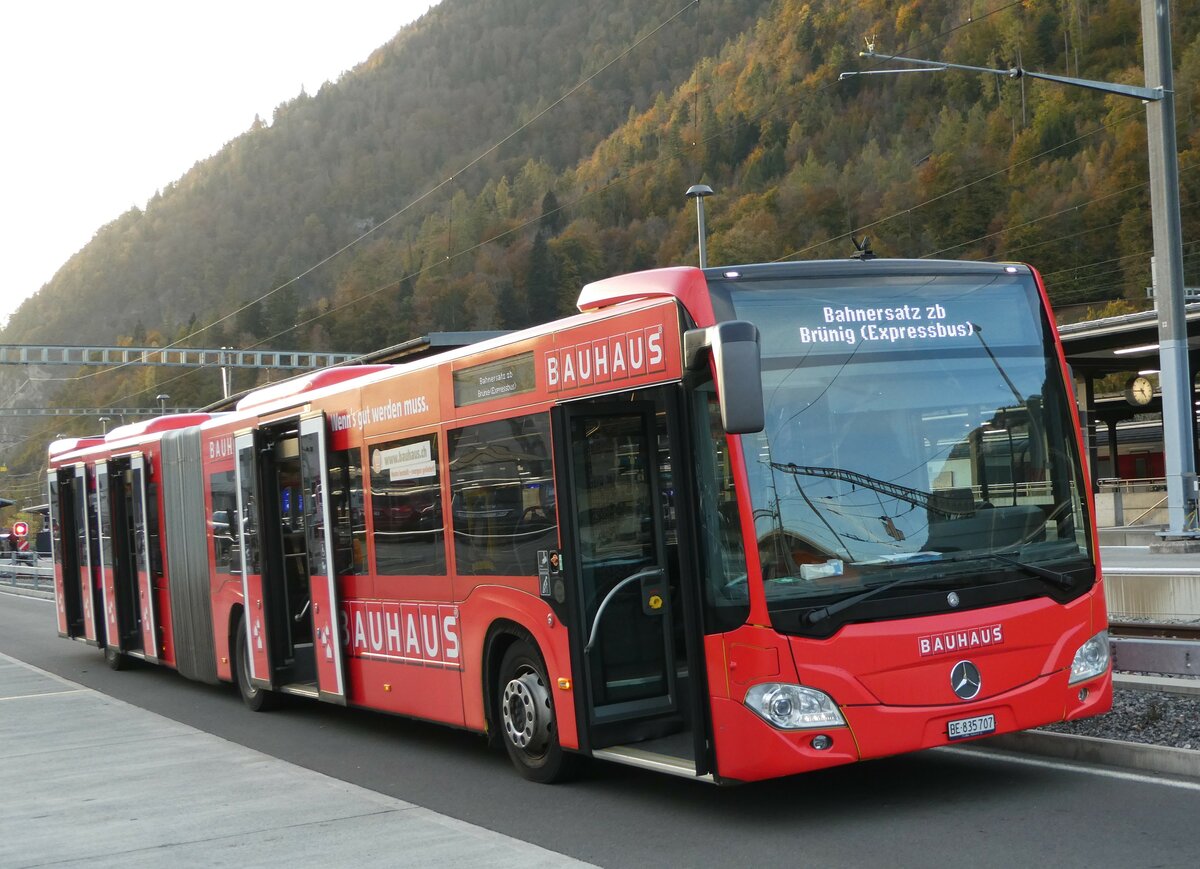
(107, 101)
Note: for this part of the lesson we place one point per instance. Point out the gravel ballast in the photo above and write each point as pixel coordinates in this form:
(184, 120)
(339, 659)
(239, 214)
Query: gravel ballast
(1150, 717)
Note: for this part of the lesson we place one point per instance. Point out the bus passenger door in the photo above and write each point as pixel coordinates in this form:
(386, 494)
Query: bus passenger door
(67, 590)
(619, 567)
(278, 580)
(84, 545)
(143, 578)
(255, 621)
(117, 553)
(318, 529)
(105, 560)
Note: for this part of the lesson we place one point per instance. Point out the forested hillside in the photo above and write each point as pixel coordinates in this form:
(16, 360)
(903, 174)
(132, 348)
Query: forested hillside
(330, 166)
(427, 190)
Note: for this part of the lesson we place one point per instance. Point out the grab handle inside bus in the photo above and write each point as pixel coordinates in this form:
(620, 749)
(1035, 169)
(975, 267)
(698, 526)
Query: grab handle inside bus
(650, 577)
(737, 367)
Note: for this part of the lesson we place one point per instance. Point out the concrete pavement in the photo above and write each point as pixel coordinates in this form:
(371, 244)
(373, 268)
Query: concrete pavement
(1134, 559)
(89, 780)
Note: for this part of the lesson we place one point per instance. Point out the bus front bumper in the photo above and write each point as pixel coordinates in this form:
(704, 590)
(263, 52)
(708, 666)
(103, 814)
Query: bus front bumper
(750, 749)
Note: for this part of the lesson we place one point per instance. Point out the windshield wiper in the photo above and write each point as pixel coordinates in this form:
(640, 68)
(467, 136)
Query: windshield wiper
(1054, 577)
(822, 613)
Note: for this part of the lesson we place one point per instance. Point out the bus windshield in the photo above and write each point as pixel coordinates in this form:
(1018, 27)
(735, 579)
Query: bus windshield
(915, 425)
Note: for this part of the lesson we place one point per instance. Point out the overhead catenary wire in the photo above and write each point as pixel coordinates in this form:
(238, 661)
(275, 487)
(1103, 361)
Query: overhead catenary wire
(391, 283)
(859, 230)
(491, 149)
(1069, 295)
(619, 178)
(622, 178)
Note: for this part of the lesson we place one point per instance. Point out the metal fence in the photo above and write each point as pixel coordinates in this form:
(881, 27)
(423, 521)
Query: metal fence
(28, 571)
(1128, 503)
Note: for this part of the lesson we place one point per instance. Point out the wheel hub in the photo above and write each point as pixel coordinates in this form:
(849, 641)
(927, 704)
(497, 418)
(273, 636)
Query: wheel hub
(526, 713)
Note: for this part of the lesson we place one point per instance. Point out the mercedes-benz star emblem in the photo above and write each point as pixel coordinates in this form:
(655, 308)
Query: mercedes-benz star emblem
(964, 679)
(952, 599)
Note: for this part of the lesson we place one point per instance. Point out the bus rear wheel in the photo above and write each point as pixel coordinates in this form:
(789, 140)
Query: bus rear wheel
(527, 723)
(115, 659)
(256, 699)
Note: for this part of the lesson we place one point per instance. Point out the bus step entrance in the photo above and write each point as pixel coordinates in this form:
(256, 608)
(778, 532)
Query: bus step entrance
(675, 745)
(301, 689)
(299, 676)
(645, 756)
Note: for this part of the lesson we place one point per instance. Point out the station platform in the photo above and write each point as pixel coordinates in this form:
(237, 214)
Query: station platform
(1142, 584)
(89, 780)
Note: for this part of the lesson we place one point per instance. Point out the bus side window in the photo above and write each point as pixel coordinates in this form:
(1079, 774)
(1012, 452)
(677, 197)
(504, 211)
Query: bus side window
(502, 496)
(156, 565)
(221, 526)
(406, 507)
(54, 522)
(348, 512)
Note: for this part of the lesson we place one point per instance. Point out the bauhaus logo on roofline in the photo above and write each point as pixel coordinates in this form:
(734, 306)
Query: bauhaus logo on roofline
(616, 357)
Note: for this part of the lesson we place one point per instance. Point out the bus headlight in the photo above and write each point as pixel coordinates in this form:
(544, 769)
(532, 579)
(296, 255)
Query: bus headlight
(793, 707)
(1091, 659)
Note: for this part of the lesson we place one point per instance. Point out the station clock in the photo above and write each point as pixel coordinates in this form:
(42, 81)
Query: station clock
(1139, 391)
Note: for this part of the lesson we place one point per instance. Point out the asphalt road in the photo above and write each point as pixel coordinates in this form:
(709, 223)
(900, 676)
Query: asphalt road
(941, 808)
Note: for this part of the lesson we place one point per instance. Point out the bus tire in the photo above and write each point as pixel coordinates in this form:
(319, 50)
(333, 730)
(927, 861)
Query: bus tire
(525, 712)
(256, 699)
(116, 659)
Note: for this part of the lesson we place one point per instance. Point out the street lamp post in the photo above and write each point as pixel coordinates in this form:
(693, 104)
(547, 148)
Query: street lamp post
(224, 373)
(161, 398)
(1174, 376)
(1159, 97)
(698, 192)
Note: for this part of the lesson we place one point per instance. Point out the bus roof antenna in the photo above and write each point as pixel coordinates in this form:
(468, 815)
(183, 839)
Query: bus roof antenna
(698, 192)
(863, 247)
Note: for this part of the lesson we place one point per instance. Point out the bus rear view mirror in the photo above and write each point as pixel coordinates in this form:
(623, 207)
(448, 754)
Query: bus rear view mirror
(737, 367)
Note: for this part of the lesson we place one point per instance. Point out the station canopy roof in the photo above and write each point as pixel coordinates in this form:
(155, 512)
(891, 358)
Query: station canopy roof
(1125, 343)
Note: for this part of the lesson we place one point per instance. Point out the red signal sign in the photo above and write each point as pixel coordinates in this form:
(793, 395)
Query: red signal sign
(20, 529)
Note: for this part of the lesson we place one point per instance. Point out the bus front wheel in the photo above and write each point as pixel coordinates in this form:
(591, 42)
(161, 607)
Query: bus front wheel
(529, 730)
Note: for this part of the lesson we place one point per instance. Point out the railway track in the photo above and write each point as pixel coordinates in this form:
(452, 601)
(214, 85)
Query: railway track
(1147, 651)
(1185, 631)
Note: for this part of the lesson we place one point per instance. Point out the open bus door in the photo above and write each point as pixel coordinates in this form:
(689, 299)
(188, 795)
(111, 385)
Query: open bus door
(289, 580)
(143, 574)
(637, 641)
(255, 623)
(322, 569)
(84, 543)
(106, 568)
(117, 513)
(67, 588)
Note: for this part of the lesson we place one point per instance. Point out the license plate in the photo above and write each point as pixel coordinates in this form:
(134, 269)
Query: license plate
(976, 726)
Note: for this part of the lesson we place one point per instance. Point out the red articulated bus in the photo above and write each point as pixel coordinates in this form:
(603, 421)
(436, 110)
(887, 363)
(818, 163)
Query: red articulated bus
(729, 524)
